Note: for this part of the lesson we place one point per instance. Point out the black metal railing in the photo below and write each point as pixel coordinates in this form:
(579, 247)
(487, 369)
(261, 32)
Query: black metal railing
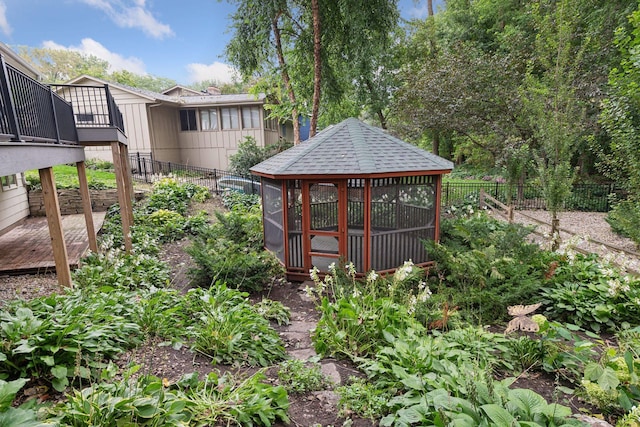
(31, 111)
(145, 169)
(93, 106)
(584, 197)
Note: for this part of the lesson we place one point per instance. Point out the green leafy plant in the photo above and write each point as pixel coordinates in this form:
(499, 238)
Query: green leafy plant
(64, 337)
(150, 401)
(230, 331)
(24, 415)
(298, 376)
(273, 311)
(591, 294)
(364, 399)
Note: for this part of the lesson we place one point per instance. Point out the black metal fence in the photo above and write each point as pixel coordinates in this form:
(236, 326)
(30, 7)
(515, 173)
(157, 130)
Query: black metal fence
(585, 197)
(93, 106)
(145, 169)
(32, 111)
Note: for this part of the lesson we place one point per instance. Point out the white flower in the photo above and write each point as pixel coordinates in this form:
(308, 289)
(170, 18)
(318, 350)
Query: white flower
(332, 267)
(356, 293)
(372, 277)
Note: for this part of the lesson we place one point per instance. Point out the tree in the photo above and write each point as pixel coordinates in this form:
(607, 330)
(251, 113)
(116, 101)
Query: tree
(61, 65)
(314, 47)
(620, 118)
(146, 81)
(554, 111)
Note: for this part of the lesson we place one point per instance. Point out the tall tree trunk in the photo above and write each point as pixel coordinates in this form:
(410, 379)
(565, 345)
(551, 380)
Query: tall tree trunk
(430, 7)
(317, 67)
(435, 147)
(286, 80)
(373, 95)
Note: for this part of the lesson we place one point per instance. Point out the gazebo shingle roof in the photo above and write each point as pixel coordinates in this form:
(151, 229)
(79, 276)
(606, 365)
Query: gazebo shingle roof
(352, 148)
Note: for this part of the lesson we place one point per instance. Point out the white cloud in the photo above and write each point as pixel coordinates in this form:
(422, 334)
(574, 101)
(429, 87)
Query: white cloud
(91, 47)
(4, 24)
(219, 71)
(132, 14)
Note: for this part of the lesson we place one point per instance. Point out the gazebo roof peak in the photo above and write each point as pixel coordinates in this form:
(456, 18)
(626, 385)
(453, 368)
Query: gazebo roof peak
(352, 147)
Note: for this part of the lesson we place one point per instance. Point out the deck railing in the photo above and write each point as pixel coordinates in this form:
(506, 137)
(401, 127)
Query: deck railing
(31, 111)
(93, 106)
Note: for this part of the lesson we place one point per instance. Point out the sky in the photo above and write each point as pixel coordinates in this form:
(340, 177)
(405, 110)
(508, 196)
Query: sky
(180, 39)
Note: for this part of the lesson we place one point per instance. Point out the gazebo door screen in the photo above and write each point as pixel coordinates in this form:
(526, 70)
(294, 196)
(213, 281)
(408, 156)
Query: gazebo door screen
(324, 206)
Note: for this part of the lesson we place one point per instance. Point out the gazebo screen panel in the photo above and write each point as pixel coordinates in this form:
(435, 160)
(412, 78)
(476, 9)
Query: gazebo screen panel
(273, 217)
(323, 199)
(407, 206)
(294, 223)
(355, 222)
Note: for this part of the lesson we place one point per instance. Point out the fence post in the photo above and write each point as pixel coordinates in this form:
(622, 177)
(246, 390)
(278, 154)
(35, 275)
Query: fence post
(481, 201)
(510, 213)
(215, 180)
(495, 195)
(12, 117)
(55, 115)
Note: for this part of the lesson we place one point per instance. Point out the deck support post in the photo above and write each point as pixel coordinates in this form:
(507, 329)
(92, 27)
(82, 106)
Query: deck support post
(54, 220)
(86, 206)
(126, 210)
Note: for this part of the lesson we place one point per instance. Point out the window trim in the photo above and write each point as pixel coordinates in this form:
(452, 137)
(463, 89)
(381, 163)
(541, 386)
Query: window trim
(7, 184)
(188, 122)
(252, 125)
(238, 118)
(218, 119)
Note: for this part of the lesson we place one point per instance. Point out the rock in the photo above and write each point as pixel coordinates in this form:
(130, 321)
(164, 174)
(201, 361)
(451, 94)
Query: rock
(303, 353)
(592, 421)
(330, 370)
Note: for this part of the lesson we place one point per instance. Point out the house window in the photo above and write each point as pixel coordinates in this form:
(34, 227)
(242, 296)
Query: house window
(9, 182)
(229, 118)
(188, 120)
(271, 124)
(209, 119)
(250, 117)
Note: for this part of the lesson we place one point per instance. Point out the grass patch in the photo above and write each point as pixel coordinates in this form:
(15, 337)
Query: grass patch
(67, 177)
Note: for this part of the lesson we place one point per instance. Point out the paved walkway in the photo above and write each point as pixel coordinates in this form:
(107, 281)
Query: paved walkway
(27, 247)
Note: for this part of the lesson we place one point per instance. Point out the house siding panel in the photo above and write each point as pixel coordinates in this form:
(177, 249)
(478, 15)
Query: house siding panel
(164, 133)
(14, 205)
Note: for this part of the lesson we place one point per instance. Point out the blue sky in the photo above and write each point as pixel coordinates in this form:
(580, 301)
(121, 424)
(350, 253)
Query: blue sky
(183, 40)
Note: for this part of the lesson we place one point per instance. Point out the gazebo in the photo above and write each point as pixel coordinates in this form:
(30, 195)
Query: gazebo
(351, 193)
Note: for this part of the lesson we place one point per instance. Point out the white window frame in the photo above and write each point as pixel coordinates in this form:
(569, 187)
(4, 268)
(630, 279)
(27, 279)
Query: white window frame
(228, 115)
(9, 182)
(209, 119)
(253, 118)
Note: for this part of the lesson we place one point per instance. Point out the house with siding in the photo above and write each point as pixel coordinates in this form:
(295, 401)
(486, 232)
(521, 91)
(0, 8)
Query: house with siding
(185, 126)
(39, 129)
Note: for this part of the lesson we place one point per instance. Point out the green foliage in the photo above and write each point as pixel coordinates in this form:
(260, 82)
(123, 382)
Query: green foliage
(354, 316)
(115, 268)
(149, 401)
(64, 337)
(67, 177)
(624, 219)
(487, 265)
(230, 330)
(21, 416)
(230, 251)
(363, 398)
(273, 311)
(235, 200)
(587, 292)
(171, 195)
(249, 155)
(298, 376)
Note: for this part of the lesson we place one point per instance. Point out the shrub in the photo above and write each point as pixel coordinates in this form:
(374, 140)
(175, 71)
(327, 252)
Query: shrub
(485, 265)
(624, 219)
(171, 195)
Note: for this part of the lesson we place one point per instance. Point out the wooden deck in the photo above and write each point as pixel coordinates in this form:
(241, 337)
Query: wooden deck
(27, 248)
